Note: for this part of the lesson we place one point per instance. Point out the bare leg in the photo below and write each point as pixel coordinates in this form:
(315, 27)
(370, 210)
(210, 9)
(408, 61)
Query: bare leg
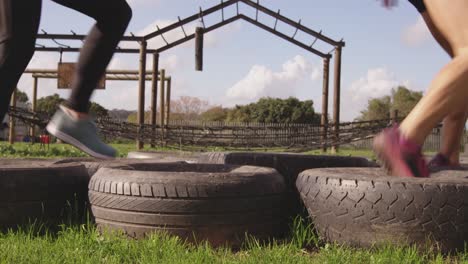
(452, 132)
(454, 123)
(448, 92)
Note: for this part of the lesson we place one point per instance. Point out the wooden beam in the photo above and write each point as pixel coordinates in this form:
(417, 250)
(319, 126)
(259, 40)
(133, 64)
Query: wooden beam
(292, 23)
(11, 135)
(192, 36)
(189, 19)
(154, 94)
(161, 102)
(285, 37)
(141, 92)
(199, 49)
(32, 130)
(60, 49)
(168, 101)
(337, 96)
(324, 121)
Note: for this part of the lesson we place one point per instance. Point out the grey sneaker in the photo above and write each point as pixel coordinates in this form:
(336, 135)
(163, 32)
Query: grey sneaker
(79, 133)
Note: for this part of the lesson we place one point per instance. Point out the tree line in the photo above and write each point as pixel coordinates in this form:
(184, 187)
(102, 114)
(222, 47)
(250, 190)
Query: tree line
(265, 110)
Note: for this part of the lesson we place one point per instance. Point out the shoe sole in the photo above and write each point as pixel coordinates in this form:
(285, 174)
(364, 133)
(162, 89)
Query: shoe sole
(52, 128)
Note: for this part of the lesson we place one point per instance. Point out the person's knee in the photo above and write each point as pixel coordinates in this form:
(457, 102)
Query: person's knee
(119, 16)
(459, 116)
(126, 13)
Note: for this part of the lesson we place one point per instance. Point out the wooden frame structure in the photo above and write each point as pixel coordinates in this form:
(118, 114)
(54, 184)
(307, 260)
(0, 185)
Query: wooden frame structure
(336, 48)
(111, 75)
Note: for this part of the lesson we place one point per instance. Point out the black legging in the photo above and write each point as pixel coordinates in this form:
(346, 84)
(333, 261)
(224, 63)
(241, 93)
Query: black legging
(19, 21)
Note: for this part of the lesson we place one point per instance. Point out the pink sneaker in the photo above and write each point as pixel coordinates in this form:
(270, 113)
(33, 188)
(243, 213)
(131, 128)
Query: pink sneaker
(440, 161)
(400, 156)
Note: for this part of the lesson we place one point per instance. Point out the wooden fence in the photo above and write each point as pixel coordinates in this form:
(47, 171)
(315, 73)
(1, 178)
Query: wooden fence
(243, 135)
(356, 135)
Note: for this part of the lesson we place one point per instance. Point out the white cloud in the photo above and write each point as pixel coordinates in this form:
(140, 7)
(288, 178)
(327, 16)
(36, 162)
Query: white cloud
(416, 34)
(262, 81)
(377, 83)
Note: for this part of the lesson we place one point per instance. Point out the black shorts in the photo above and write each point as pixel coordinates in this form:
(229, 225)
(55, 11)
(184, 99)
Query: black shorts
(419, 4)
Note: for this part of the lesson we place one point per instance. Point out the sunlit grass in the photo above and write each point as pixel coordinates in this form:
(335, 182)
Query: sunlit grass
(83, 244)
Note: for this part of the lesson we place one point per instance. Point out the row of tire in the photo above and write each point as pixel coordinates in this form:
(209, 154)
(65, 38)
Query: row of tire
(226, 195)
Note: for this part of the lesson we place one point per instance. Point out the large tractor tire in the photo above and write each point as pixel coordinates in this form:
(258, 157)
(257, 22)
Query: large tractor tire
(289, 165)
(365, 207)
(198, 202)
(164, 156)
(41, 192)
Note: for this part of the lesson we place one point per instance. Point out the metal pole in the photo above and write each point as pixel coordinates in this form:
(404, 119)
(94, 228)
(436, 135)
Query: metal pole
(32, 132)
(337, 95)
(154, 95)
(168, 100)
(141, 93)
(161, 102)
(11, 138)
(324, 121)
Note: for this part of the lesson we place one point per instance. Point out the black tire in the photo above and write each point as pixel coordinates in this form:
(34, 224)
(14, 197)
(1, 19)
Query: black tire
(364, 207)
(216, 203)
(93, 165)
(41, 191)
(289, 165)
(164, 156)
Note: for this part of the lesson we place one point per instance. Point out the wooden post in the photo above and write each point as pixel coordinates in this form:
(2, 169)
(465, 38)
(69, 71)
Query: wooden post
(162, 77)
(154, 95)
(11, 136)
(394, 116)
(199, 49)
(141, 92)
(337, 95)
(324, 121)
(168, 100)
(32, 131)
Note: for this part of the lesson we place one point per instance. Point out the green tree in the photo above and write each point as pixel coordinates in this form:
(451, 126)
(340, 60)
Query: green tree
(401, 99)
(21, 96)
(276, 110)
(377, 108)
(404, 100)
(98, 110)
(216, 113)
(49, 104)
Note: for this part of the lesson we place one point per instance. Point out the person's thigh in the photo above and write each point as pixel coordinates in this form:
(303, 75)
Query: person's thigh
(96, 9)
(450, 18)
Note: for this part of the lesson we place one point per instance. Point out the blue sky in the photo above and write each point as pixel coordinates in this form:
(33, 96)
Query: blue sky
(384, 48)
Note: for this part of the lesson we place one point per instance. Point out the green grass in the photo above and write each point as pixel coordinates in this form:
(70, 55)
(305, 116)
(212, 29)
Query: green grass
(83, 244)
(27, 150)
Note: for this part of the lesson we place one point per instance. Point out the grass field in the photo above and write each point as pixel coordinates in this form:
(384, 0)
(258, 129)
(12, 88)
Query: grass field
(83, 244)
(27, 150)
